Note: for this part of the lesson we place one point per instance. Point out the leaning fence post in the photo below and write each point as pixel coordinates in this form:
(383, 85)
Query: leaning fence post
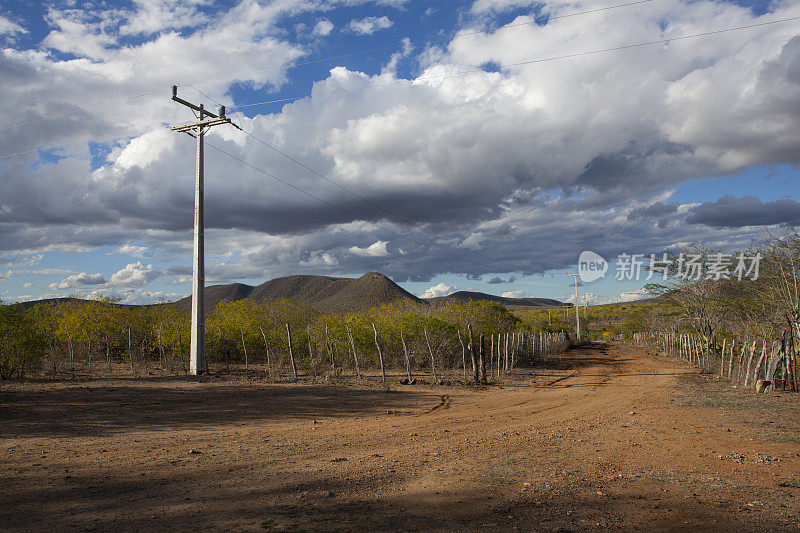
(433, 363)
(291, 353)
(472, 354)
(380, 353)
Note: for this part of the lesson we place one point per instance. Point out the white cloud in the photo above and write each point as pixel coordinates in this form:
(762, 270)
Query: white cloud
(376, 249)
(43, 271)
(129, 249)
(513, 294)
(596, 299)
(27, 285)
(76, 281)
(440, 289)
(134, 275)
(152, 16)
(369, 25)
(9, 27)
(322, 28)
(25, 261)
(144, 150)
(506, 163)
(632, 296)
(319, 258)
(497, 6)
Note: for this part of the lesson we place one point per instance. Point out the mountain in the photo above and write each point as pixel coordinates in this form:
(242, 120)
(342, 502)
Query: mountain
(512, 303)
(215, 294)
(336, 295)
(321, 292)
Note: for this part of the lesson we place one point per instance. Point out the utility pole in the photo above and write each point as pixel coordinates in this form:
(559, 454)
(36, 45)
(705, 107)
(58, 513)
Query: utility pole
(577, 308)
(197, 355)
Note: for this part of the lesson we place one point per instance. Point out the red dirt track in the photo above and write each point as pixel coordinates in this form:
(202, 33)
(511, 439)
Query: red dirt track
(611, 439)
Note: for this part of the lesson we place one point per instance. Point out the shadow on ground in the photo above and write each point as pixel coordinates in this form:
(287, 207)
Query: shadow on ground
(336, 504)
(100, 410)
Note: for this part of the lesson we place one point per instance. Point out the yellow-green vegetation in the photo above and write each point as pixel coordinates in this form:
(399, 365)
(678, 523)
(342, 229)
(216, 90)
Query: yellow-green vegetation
(602, 321)
(65, 336)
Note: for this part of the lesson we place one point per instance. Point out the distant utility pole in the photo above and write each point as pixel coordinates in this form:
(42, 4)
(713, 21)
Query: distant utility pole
(197, 356)
(577, 308)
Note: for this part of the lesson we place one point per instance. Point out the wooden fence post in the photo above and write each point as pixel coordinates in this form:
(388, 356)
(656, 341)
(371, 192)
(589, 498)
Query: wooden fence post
(329, 348)
(498, 355)
(380, 353)
(472, 353)
(291, 353)
(430, 350)
(463, 355)
(491, 355)
(266, 349)
(749, 363)
(482, 360)
(353, 347)
(408, 362)
(311, 354)
(730, 361)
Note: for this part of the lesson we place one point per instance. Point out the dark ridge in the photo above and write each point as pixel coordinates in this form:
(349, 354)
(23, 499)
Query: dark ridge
(215, 294)
(334, 294)
(511, 303)
(326, 293)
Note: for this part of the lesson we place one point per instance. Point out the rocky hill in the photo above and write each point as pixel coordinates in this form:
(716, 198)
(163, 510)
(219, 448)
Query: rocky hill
(511, 303)
(321, 292)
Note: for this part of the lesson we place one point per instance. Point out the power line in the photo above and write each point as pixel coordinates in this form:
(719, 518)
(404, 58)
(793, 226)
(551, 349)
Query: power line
(350, 191)
(429, 41)
(528, 62)
(342, 209)
(67, 143)
(51, 117)
(367, 200)
(536, 20)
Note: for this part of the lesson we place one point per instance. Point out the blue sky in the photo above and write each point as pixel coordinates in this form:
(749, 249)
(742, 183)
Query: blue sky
(467, 165)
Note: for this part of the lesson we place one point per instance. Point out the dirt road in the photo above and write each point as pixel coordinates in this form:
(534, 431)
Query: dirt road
(610, 439)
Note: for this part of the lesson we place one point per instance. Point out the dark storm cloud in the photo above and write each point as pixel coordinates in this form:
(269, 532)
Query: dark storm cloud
(732, 212)
(632, 168)
(494, 177)
(656, 210)
(179, 270)
(498, 280)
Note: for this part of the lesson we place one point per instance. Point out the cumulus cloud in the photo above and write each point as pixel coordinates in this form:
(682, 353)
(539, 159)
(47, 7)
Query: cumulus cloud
(440, 289)
(322, 28)
(376, 249)
(151, 16)
(632, 296)
(596, 299)
(134, 275)
(320, 259)
(76, 281)
(516, 169)
(369, 25)
(9, 27)
(513, 294)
